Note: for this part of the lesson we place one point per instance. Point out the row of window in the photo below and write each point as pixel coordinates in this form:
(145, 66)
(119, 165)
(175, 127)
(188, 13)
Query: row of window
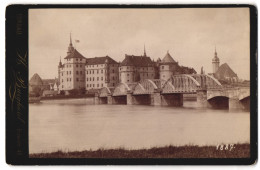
(98, 85)
(102, 65)
(76, 59)
(101, 78)
(69, 79)
(141, 74)
(139, 68)
(69, 72)
(97, 71)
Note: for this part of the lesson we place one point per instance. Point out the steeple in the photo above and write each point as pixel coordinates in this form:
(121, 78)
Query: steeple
(60, 62)
(215, 62)
(70, 40)
(144, 51)
(70, 48)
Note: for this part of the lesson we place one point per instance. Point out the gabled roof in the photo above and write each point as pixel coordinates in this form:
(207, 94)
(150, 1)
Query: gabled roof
(74, 54)
(225, 71)
(168, 59)
(138, 61)
(100, 60)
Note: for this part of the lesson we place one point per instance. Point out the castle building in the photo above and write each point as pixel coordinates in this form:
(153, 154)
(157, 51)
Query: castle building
(101, 72)
(71, 74)
(137, 68)
(168, 67)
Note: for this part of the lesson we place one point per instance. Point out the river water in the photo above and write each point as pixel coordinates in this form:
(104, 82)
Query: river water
(77, 124)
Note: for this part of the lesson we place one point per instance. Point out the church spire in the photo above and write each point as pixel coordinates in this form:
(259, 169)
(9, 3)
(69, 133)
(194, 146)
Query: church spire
(70, 48)
(215, 52)
(144, 50)
(70, 40)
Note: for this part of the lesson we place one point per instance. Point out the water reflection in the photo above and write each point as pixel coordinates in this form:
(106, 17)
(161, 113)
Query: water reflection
(78, 125)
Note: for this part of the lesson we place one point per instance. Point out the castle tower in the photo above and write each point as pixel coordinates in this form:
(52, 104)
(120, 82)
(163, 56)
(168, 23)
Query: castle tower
(215, 62)
(167, 67)
(70, 48)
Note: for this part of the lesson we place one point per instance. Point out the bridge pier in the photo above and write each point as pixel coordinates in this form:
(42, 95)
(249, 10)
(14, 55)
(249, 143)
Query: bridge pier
(234, 103)
(109, 99)
(129, 98)
(202, 99)
(96, 99)
(175, 99)
(156, 99)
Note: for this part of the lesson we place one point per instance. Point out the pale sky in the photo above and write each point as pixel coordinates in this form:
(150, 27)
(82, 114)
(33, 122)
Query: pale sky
(190, 35)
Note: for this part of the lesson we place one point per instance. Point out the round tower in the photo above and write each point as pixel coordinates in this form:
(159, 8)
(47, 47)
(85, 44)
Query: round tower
(215, 62)
(167, 67)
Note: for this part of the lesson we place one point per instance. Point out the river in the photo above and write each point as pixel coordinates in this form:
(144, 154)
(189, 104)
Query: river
(77, 124)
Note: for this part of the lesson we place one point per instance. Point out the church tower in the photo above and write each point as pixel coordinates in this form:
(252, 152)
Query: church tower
(70, 48)
(215, 62)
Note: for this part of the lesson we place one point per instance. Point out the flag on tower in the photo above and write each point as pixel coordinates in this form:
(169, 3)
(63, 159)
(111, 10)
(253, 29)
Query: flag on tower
(77, 41)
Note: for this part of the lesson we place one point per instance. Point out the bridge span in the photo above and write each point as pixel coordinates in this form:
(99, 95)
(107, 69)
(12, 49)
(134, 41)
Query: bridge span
(209, 91)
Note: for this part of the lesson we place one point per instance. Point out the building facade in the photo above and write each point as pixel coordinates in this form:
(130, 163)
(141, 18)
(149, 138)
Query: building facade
(137, 68)
(71, 73)
(101, 72)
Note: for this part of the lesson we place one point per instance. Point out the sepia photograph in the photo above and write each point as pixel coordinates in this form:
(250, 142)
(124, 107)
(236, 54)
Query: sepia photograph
(139, 82)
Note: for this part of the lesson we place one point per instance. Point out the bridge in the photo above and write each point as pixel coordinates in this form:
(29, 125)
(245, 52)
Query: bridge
(209, 92)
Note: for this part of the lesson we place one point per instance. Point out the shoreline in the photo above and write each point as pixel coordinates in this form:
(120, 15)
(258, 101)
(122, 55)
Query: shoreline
(187, 151)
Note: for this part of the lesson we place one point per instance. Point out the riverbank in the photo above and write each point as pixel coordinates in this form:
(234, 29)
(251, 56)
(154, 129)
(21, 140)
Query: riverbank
(239, 151)
(57, 97)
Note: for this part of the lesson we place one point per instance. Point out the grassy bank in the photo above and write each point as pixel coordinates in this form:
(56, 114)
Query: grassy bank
(240, 151)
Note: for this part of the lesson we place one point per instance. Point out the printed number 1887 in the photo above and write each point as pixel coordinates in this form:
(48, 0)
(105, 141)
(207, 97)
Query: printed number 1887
(227, 147)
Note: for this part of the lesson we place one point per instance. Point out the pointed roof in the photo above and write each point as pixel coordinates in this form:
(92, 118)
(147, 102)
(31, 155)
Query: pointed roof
(225, 71)
(74, 54)
(36, 80)
(168, 58)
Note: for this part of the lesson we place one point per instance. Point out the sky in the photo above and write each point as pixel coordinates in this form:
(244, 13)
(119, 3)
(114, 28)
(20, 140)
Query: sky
(190, 35)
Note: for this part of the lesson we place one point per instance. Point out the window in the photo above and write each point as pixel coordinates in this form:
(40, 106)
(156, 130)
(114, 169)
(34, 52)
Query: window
(70, 72)
(93, 85)
(87, 72)
(102, 85)
(67, 72)
(127, 74)
(87, 79)
(62, 86)
(90, 85)
(76, 59)
(162, 67)
(127, 68)
(102, 78)
(97, 71)
(70, 79)
(113, 78)
(113, 84)
(97, 85)
(77, 72)
(97, 65)
(101, 71)
(93, 71)
(113, 71)
(67, 79)
(97, 78)
(87, 85)
(61, 80)
(61, 74)
(80, 65)
(93, 78)
(77, 79)
(127, 80)
(77, 65)
(80, 59)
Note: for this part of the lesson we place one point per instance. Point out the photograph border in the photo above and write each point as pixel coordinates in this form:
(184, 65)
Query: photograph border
(17, 53)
